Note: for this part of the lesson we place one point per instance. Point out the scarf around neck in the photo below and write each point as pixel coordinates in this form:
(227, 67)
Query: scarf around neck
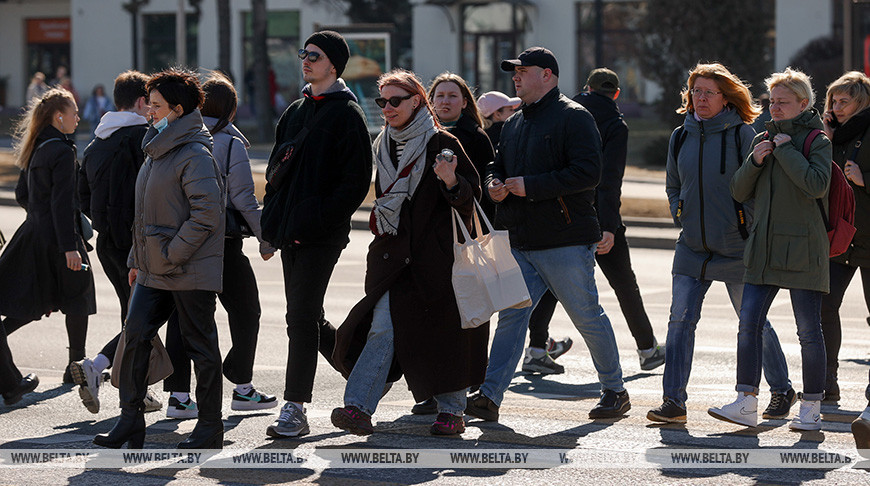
(396, 190)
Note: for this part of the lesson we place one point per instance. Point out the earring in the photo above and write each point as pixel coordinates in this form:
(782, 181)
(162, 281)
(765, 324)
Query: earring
(60, 119)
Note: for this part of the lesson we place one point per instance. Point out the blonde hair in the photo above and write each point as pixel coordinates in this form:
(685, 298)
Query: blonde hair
(735, 91)
(854, 84)
(37, 117)
(795, 81)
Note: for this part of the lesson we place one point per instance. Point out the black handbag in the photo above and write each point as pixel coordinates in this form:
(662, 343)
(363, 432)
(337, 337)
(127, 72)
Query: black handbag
(237, 226)
(283, 156)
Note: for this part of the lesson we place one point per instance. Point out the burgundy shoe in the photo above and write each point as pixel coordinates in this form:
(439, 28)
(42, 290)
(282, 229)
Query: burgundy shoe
(352, 420)
(447, 424)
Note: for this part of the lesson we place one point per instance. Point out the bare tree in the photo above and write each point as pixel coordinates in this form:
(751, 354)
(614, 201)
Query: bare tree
(224, 26)
(261, 70)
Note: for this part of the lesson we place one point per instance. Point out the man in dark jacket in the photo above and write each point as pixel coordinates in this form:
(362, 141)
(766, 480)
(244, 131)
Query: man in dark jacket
(314, 187)
(602, 89)
(543, 183)
(107, 184)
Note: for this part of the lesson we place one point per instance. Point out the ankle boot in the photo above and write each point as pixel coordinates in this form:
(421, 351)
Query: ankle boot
(129, 429)
(207, 434)
(74, 355)
(832, 388)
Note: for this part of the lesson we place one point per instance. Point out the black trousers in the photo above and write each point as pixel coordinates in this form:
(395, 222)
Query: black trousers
(114, 262)
(149, 309)
(241, 299)
(307, 270)
(76, 332)
(841, 277)
(616, 266)
(10, 377)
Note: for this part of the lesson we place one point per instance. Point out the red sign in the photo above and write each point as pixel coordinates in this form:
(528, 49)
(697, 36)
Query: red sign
(48, 31)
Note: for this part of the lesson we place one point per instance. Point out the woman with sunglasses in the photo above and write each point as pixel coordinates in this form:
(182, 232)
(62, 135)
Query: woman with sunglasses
(408, 322)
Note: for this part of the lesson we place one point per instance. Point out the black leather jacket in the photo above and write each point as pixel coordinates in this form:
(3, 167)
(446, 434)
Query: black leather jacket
(555, 146)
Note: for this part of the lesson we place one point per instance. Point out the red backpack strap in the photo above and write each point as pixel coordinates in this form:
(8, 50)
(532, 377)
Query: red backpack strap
(808, 142)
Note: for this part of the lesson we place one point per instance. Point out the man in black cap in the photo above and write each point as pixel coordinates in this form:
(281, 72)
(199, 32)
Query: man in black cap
(543, 182)
(612, 255)
(318, 174)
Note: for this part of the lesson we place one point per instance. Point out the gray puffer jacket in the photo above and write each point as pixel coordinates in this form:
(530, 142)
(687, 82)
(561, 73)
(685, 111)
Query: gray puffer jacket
(178, 229)
(710, 246)
(237, 174)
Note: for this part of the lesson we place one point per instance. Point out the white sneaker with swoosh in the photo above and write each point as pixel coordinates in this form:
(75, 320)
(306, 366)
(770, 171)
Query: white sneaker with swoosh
(743, 411)
(809, 417)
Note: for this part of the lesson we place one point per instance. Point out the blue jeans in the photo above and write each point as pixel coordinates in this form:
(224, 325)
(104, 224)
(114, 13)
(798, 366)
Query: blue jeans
(569, 273)
(365, 385)
(807, 306)
(688, 295)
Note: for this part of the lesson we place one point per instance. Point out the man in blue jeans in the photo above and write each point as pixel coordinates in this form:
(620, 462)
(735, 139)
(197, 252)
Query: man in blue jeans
(543, 183)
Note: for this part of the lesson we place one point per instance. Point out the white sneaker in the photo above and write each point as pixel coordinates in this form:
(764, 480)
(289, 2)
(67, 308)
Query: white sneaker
(809, 417)
(743, 411)
(152, 402)
(88, 379)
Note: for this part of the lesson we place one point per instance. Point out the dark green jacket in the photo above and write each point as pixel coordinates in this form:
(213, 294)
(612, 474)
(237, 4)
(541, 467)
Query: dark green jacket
(788, 244)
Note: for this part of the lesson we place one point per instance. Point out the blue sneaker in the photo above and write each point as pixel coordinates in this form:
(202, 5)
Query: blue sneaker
(253, 400)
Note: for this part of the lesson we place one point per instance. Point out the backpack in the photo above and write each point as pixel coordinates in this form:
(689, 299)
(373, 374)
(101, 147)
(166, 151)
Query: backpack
(680, 137)
(840, 218)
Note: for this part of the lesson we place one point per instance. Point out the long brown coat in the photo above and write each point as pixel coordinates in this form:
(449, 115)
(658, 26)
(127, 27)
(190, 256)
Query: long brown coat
(432, 350)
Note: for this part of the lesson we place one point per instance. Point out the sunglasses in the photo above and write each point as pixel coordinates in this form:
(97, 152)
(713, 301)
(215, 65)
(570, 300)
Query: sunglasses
(395, 101)
(312, 56)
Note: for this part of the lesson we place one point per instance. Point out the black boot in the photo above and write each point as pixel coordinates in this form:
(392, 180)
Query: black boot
(832, 388)
(207, 434)
(129, 429)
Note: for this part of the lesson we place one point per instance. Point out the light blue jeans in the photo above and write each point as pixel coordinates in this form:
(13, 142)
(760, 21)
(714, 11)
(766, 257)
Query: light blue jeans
(365, 385)
(688, 295)
(569, 273)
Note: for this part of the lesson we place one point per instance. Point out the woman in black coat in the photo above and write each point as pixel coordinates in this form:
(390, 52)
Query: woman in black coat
(847, 119)
(47, 255)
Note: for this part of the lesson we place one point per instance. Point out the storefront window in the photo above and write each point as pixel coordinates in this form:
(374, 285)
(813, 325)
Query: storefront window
(282, 44)
(158, 40)
(491, 33)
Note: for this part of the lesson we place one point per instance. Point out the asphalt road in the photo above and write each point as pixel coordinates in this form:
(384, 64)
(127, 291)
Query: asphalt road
(538, 412)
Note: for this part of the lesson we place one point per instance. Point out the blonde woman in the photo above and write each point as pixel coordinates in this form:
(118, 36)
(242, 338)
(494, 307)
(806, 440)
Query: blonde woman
(47, 252)
(703, 155)
(846, 120)
(788, 246)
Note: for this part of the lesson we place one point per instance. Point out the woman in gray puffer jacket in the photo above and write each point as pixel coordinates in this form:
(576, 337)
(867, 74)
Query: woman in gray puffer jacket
(177, 258)
(240, 297)
(704, 153)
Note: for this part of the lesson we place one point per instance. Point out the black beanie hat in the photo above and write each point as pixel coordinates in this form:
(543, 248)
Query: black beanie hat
(334, 46)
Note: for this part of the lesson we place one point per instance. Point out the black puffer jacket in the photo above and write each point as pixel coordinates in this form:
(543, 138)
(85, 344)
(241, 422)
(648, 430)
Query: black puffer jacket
(331, 176)
(614, 146)
(554, 145)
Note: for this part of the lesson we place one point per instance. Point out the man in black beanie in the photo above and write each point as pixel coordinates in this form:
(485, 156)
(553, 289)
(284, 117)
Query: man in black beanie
(318, 174)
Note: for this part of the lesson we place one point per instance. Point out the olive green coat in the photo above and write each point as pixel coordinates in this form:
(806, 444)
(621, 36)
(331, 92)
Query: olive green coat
(788, 244)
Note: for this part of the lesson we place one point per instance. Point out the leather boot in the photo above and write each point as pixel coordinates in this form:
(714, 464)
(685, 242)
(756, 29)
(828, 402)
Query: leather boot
(207, 434)
(832, 388)
(129, 429)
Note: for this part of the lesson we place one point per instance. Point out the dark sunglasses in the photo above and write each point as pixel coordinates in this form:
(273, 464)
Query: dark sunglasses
(395, 101)
(312, 56)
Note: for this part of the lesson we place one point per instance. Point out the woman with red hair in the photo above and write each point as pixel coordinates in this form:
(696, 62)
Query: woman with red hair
(408, 323)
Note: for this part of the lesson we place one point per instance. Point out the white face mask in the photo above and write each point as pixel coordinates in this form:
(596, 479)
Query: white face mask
(162, 124)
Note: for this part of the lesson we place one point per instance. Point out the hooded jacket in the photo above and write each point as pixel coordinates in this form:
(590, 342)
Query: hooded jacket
(237, 175)
(331, 175)
(710, 246)
(554, 146)
(614, 148)
(788, 244)
(108, 172)
(178, 230)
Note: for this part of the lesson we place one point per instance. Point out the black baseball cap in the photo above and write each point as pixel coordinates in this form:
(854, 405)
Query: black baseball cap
(533, 56)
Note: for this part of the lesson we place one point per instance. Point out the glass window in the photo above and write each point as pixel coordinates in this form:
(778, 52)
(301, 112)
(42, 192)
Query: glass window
(491, 33)
(282, 43)
(158, 40)
(619, 47)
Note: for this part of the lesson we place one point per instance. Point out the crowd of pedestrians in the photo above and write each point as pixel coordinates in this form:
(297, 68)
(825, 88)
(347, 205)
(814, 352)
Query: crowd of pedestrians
(167, 185)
